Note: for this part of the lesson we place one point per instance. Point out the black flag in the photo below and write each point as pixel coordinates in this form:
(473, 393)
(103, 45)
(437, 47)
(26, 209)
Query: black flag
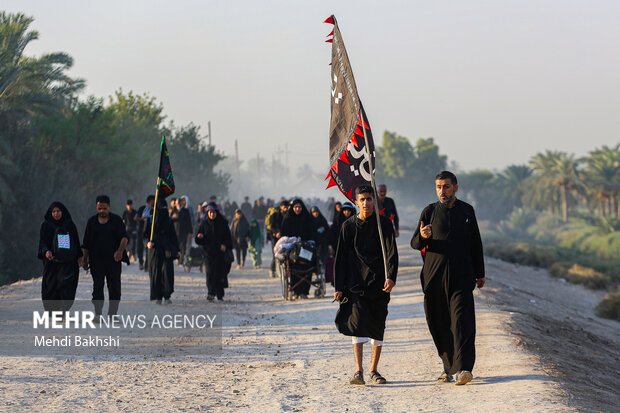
(165, 184)
(350, 166)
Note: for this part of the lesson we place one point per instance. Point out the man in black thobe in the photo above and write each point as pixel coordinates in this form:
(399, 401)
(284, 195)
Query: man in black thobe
(105, 239)
(449, 239)
(362, 287)
(387, 206)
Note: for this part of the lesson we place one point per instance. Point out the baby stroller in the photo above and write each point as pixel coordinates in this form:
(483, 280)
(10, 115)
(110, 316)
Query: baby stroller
(193, 258)
(299, 265)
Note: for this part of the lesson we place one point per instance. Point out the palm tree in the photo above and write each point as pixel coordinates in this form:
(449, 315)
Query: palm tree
(561, 170)
(29, 85)
(513, 180)
(602, 174)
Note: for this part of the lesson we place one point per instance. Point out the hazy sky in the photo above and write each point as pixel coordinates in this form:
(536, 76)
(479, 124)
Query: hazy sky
(493, 81)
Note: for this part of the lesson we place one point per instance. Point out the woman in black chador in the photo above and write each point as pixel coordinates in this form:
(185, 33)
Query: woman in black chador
(215, 238)
(59, 248)
(298, 223)
(163, 249)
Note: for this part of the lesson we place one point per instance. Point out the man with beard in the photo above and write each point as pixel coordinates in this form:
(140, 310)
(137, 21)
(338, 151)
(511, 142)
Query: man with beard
(274, 226)
(105, 239)
(450, 240)
(362, 286)
(387, 207)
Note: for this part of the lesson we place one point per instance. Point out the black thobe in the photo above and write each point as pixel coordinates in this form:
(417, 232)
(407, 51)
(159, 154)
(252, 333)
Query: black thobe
(453, 260)
(185, 229)
(161, 256)
(60, 279)
(215, 234)
(360, 275)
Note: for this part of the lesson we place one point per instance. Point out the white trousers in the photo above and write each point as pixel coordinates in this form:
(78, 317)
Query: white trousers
(360, 340)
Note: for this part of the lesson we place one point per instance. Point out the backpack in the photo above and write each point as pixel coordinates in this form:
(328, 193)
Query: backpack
(64, 246)
(270, 212)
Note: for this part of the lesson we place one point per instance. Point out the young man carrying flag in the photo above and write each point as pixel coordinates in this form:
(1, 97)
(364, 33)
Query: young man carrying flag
(366, 262)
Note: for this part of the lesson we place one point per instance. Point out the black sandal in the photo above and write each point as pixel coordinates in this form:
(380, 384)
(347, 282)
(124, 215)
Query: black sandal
(358, 378)
(377, 377)
(445, 378)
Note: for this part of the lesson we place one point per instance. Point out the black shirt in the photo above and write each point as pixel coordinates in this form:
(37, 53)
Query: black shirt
(455, 248)
(129, 218)
(102, 240)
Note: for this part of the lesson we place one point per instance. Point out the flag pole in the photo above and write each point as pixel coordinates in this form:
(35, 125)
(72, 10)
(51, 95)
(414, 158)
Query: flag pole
(154, 209)
(374, 195)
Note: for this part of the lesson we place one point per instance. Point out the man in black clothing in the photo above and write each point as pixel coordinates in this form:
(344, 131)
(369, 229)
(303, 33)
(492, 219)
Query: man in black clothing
(275, 228)
(144, 212)
(105, 239)
(131, 226)
(259, 211)
(246, 207)
(362, 286)
(449, 239)
(387, 207)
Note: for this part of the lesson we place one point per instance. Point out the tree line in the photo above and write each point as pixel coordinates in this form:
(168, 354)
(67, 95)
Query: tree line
(553, 181)
(56, 146)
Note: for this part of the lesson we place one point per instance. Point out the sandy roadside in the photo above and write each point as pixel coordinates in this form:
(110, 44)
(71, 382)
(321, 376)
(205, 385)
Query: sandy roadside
(287, 356)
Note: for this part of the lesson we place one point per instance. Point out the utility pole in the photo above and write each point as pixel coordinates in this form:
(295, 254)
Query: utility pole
(273, 170)
(258, 171)
(237, 168)
(209, 129)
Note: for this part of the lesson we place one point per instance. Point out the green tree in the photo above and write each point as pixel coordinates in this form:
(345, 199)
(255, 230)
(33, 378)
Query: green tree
(559, 171)
(602, 175)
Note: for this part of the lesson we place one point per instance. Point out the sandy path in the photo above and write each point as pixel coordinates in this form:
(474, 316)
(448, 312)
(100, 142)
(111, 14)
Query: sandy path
(286, 356)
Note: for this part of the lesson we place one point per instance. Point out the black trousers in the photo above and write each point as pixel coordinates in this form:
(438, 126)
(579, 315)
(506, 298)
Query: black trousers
(132, 241)
(106, 272)
(140, 247)
(216, 277)
(449, 308)
(241, 251)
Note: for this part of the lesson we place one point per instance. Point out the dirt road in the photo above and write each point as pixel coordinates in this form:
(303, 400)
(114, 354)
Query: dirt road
(288, 356)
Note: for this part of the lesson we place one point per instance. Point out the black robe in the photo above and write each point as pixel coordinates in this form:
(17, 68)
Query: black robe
(360, 276)
(322, 235)
(453, 261)
(215, 233)
(60, 279)
(240, 229)
(301, 225)
(161, 256)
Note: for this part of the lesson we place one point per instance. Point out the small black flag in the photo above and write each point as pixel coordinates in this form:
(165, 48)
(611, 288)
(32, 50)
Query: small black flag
(165, 184)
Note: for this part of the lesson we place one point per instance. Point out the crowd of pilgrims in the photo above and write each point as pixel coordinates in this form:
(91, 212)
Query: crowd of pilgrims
(225, 232)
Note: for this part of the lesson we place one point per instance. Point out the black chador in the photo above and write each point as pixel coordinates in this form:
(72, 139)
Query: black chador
(359, 273)
(215, 233)
(161, 256)
(453, 260)
(60, 273)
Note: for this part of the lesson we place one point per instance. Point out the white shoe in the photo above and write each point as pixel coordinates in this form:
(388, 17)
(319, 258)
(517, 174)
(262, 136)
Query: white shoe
(463, 377)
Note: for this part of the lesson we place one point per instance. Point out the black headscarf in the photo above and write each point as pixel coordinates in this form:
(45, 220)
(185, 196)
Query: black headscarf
(301, 225)
(49, 226)
(66, 216)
